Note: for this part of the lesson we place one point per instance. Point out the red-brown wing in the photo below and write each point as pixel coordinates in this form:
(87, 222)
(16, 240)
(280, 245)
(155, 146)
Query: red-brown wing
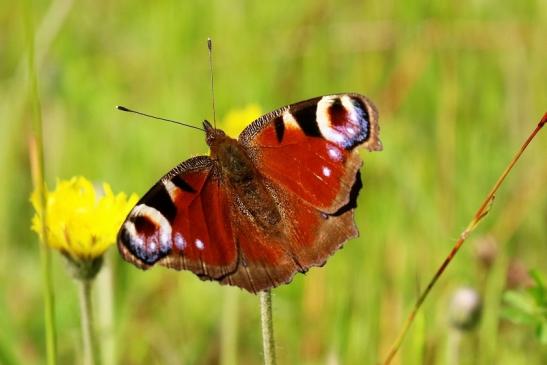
(306, 154)
(183, 222)
(306, 237)
(189, 220)
(309, 147)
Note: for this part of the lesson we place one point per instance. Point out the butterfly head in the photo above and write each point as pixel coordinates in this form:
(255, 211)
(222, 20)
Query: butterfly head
(213, 135)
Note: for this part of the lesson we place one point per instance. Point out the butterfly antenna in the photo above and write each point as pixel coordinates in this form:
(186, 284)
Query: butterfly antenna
(124, 109)
(210, 47)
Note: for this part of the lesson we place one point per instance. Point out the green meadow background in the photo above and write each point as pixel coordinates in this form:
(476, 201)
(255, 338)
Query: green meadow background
(459, 86)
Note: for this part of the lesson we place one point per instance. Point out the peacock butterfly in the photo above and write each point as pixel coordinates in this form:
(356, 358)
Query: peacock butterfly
(276, 201)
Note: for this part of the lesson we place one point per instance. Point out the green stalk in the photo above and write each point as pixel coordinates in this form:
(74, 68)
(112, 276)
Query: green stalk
(453, 347)
(268, 341)
(39, 183)
(105, 310)
(49, 304)
(88, 330)
(229, 329)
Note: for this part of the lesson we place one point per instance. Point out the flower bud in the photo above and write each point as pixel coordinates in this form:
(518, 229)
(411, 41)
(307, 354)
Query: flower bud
(486, 250)
(465, 309)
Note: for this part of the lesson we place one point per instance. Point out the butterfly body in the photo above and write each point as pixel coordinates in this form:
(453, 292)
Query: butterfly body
(235, 169)
(274, 202)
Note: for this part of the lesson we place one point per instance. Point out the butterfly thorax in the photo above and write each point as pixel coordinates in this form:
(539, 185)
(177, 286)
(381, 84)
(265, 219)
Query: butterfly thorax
(239, 173)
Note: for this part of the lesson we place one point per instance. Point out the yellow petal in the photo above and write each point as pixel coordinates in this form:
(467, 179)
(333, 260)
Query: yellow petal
(236, 120)
(81, 222)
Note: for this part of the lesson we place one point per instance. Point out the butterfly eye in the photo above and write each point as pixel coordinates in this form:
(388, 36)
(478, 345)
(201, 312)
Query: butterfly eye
(337, 113)
(343, 120)
(214, 136)
(147, 234)
(144, 226)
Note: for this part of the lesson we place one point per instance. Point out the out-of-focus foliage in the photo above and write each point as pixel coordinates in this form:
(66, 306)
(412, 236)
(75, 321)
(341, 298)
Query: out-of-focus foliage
(529, 307)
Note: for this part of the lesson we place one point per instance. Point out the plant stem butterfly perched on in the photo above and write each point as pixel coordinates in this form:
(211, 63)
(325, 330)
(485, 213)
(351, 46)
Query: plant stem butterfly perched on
(276, 201)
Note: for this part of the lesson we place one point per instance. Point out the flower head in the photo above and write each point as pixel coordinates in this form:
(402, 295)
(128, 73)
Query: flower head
(236, 120)
(465, 309)
(81, 223)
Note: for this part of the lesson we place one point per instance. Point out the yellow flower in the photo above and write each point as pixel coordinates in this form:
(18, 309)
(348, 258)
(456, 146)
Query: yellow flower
(238, 119)
(81, 224)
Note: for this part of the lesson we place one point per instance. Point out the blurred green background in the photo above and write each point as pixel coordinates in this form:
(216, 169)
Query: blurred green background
(459, 86)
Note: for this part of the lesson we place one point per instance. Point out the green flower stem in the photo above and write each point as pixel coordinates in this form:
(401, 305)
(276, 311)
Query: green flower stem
(49, 305)
(268, 341)
(453, 347)
(38, 169)
(88, 330)
(229, 327)
(105, 312)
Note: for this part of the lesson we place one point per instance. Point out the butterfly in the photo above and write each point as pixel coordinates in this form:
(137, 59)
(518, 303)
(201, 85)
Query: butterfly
(276, 201)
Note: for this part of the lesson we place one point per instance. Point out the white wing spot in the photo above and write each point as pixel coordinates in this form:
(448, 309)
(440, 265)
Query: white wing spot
(180, 242)
(199, 244)
(289, 120)
(165, 238)
(171, 189)
(326, 171)
(334, 153)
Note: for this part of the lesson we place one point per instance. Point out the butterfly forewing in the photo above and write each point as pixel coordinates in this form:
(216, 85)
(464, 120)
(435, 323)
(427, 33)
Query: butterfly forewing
(183, 222)
(308, 147)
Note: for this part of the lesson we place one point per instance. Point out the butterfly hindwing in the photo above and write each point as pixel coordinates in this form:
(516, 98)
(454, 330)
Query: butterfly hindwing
(306, 238)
